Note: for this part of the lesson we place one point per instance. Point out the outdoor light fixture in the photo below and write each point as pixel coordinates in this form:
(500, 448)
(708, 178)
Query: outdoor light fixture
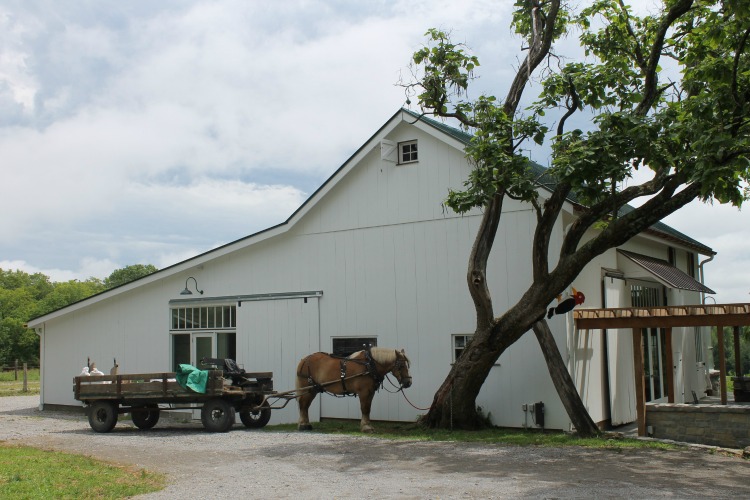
(188, 292)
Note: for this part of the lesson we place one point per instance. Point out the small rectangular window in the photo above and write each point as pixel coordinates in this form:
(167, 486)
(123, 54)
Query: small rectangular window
(459, 344)
(407, 152)
(344, 346)
(691, 264)
(203, 318)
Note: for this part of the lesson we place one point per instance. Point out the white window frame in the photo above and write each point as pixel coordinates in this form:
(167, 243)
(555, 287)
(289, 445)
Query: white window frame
(465, 339)
(405, 150)
(361, 338)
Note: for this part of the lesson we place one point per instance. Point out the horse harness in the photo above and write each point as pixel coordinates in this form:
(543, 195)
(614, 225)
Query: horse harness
(370, 369)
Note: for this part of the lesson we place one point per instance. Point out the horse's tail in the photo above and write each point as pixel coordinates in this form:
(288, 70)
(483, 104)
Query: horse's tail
(303, 373)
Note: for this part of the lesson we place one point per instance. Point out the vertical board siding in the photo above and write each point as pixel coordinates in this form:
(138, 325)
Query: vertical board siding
(274, 335)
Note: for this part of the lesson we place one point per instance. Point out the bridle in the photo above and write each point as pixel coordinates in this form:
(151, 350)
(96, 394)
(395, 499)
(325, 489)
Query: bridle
(397, 371)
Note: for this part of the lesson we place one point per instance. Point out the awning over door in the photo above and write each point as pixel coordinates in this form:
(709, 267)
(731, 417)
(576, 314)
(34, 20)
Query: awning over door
(662, 271)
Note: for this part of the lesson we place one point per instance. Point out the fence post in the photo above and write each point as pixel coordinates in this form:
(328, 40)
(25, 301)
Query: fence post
(15, 370)
(25, 379)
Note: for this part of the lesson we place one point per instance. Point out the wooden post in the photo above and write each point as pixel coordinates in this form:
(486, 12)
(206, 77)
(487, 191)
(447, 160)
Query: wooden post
(737, 360)
(25, 378)
(722, 364)
(640, 381)
(15, 371)
(670, 366)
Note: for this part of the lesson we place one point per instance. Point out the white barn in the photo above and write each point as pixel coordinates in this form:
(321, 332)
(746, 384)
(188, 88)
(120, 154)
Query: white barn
(372, 256)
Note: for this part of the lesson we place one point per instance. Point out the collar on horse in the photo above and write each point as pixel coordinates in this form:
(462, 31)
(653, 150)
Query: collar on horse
(371, 369)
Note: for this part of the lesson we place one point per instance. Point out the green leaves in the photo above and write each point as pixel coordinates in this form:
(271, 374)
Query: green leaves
(25, 296)
(694, 124)
(447, 68)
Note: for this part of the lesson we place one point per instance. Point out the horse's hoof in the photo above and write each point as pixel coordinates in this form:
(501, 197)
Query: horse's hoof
(304, 427)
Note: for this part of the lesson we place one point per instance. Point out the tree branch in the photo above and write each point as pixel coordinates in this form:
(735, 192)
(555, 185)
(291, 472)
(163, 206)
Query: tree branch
(572, 108)
(476, 275)
(538, 50)
(543, 231)
(638, 55)
(600, 210)
(650, 93)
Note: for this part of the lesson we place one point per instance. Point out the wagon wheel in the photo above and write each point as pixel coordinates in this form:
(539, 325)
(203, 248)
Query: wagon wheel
(217, 415)
(103, 416)
(258, 418)
(145, 418)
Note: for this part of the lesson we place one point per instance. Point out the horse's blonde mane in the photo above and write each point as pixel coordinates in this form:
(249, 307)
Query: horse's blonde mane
(382, 355)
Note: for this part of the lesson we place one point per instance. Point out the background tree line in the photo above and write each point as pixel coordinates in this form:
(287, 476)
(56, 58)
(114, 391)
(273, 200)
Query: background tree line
(24, 296)
(729, 350)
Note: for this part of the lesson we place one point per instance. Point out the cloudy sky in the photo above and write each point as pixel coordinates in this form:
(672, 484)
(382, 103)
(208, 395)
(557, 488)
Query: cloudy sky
(148, 132)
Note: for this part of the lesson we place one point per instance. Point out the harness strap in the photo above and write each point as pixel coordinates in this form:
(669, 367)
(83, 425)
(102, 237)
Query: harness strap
(372, 369)
(343, 376)
(316, 387)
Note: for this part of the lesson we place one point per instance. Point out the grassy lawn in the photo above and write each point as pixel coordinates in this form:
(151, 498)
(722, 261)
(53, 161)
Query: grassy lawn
(32, 473)
(519, 437)
(11, 387)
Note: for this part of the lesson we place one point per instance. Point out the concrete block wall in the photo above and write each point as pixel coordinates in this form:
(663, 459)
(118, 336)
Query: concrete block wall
(718, 425)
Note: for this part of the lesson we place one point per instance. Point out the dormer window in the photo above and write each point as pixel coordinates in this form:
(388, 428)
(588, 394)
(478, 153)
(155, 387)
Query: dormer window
(407, 152)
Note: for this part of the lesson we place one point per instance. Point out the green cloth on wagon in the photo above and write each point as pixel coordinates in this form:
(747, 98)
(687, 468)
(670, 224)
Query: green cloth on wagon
(191, 377)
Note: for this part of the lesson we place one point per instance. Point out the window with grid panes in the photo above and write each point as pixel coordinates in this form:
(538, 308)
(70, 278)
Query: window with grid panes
(459, 344)
(407, 152)
(204, 318)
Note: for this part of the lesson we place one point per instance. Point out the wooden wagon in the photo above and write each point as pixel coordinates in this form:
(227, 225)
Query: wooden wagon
(144, 395)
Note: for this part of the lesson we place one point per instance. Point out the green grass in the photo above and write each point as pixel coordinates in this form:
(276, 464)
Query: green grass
(32, 473)
(519, 437)
(11, 387)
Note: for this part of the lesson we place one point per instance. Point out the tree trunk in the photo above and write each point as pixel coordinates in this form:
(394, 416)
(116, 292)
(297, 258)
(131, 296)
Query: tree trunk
(564, 384)
(454, 404)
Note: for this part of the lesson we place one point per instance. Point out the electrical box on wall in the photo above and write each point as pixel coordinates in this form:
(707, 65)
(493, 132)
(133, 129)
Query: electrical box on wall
(538, 413)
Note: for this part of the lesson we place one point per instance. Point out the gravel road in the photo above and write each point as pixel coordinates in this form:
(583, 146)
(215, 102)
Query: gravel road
(245, 463)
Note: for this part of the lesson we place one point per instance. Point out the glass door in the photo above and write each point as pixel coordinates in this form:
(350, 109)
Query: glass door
(204, 346)
(655, 363)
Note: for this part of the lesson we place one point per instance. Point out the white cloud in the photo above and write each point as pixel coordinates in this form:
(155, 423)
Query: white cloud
(128, 130)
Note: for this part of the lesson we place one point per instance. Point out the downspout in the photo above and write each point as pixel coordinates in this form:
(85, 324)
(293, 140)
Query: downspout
(702, 275)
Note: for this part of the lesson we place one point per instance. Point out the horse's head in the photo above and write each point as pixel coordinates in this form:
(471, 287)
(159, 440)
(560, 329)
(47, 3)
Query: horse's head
(400, 369)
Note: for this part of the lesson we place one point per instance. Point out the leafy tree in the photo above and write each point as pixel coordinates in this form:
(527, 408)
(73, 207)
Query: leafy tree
(690, 131)
(24, 296)
(68, 292)
(128, 274)
(729, 357)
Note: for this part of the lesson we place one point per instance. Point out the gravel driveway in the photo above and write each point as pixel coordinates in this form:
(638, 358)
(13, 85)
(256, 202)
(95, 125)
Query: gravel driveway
(244, 463)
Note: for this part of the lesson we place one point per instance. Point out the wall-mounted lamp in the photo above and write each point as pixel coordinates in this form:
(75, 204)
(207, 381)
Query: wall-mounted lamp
(188, 292)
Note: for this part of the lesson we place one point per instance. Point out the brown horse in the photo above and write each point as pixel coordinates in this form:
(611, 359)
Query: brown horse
(359, 374)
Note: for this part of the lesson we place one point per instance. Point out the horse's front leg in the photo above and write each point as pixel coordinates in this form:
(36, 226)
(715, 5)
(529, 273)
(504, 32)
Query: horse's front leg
(365, 403)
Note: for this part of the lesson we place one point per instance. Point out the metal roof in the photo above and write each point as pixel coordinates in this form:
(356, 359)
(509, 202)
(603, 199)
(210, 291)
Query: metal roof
(666, 272)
